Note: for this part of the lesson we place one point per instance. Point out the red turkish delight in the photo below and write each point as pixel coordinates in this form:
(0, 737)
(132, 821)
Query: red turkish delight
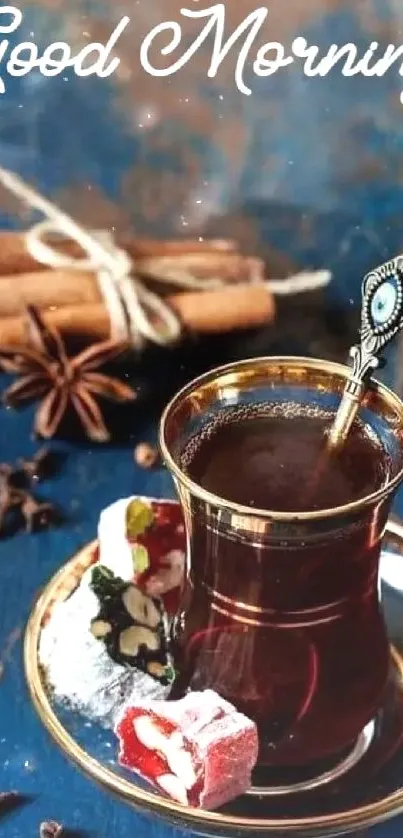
(143, 540)
(199, 750)
(165, 542)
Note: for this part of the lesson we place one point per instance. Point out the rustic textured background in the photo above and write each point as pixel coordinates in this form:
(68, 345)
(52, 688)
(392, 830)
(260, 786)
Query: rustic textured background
(312, 166)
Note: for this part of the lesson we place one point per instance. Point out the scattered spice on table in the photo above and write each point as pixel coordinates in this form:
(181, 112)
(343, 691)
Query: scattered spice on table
(38, 514)
(41, 465)
(10, 800)
(146, 455)
(62, 382)
(7, 797)
(50, 829)
(19, 507)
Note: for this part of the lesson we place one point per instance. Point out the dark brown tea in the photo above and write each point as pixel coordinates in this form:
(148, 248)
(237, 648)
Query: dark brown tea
(279, 461)
(286, 624)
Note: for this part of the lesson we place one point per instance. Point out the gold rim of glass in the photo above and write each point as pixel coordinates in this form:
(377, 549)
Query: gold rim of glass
(231, 376)
(58, 588)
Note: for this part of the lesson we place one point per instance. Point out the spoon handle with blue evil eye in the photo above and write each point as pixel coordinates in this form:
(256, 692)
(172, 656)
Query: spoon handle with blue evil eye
(381, 319)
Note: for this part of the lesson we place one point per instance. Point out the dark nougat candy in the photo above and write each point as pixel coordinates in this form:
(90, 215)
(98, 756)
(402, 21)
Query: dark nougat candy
(130, 623)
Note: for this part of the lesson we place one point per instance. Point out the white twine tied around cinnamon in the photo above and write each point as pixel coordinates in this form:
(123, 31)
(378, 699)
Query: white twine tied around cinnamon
(136, 313)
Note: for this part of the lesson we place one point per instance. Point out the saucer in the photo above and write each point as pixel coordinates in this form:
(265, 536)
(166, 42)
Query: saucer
(369, 792)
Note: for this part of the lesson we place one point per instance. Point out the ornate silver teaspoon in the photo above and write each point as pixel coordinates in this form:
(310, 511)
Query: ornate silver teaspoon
(381, 319)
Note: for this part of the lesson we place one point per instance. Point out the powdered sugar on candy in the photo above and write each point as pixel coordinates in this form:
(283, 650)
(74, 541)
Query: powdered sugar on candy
(78, 668)
(199, 750)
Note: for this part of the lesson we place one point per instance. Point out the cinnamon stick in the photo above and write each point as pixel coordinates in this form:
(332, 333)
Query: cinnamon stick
(72, 321)
(233, 307)
(15, 259)
(46, 288)
(65, 287)
(236, 307)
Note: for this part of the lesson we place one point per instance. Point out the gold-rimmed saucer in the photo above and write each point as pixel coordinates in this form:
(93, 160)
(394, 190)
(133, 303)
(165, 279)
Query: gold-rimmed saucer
(368, 794)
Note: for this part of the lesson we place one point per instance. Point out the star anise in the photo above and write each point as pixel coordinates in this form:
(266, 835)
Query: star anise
(60, 381)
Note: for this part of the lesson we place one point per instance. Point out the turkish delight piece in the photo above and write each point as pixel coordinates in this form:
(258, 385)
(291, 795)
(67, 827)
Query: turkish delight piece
(78, 667)
(143, 540)
(199, 750)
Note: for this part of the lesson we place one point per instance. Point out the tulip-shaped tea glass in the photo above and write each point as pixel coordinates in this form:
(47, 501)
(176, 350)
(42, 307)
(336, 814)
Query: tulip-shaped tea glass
(280, 612)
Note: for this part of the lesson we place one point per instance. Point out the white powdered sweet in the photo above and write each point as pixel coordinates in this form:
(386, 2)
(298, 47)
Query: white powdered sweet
(390, 572)
(78, 668)
(114, 549)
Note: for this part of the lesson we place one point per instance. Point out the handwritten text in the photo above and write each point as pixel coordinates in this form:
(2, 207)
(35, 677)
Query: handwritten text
(168, 40)
(93, 59)
(267, 59)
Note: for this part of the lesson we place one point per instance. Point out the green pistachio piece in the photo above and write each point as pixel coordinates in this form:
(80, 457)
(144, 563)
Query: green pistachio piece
(141, 561)
(169, 673)
(139, 516)
(100, 572)
(104, 583)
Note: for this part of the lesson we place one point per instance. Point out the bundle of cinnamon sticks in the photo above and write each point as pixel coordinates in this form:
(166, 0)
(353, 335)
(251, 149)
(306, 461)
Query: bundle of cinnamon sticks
(231, 292)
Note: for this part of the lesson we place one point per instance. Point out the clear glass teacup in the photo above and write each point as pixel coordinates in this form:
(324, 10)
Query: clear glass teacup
(280, 612)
